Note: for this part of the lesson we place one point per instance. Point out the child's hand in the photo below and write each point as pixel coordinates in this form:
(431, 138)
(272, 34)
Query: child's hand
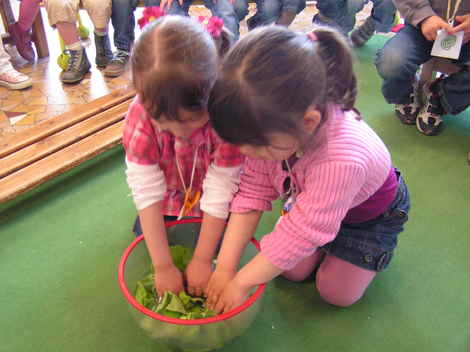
(233, 295)
(463, 25)
(198, 274)
(219, 280)
(431, 25)
(168, 278)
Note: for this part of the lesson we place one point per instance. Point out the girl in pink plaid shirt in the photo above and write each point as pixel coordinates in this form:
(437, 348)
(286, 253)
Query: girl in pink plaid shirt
(176, 164)
(287, 99)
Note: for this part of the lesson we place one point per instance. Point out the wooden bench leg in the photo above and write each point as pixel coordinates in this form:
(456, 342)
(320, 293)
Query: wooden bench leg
(39, 37)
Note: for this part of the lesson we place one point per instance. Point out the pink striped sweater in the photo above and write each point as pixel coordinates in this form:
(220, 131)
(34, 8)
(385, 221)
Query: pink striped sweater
(345, 165)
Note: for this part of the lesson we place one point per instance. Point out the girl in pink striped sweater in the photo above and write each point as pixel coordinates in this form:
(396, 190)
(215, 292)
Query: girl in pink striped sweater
(287, 100)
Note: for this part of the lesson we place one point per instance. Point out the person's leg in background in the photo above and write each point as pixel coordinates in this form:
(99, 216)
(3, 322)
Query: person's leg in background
(100, 13)
(450, 95)
(9, 77)
(267, 12)
(175, 9)
(381, 20)
(290, 9)
(340, 14)
(20, 31)
(63, 15)
(397, 63)
(226, 11)
(241, 9)
(123, 20)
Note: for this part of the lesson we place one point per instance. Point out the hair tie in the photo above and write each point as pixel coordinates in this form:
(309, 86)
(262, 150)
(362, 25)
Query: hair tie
(312, 36)
(150, 14)
(213, 25)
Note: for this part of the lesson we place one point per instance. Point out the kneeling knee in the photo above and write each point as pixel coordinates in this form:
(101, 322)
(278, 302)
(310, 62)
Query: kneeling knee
(335, 294)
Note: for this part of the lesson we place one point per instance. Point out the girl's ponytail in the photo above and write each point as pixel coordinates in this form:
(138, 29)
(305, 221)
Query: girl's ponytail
(341, 83)
(223, 41)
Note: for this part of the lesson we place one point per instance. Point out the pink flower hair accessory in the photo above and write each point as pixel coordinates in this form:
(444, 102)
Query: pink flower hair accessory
(150, 14)
(213, 25)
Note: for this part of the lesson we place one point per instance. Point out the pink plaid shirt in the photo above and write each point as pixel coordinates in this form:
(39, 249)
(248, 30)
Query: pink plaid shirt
(146, 145)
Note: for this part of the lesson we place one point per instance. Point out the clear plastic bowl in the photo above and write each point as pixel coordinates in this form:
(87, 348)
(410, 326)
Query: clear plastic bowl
(196, 335)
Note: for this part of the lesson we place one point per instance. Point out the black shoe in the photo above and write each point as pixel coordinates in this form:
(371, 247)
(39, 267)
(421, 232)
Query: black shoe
(104, 53)
(429, 120)
(407, 113)
(117, 65)
(77, 67)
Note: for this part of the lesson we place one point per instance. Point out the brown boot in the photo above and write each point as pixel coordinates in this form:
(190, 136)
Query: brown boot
(286, 18)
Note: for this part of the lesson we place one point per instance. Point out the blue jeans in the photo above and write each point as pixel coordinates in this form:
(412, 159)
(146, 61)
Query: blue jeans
(268, 11)
(231, 14)
(400, 58)
(343, 13)
(370, 244)
(122, 18)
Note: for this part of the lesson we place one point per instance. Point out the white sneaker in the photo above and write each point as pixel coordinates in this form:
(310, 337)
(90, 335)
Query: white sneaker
(13, 79)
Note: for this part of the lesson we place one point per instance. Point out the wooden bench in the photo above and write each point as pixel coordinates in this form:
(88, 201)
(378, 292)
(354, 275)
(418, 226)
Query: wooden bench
(36, 155)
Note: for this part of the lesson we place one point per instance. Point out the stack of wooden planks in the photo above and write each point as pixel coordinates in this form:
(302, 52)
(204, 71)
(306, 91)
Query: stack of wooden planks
(36, 155)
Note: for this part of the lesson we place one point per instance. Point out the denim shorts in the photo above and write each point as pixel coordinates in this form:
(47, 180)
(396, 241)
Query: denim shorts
(370, 244)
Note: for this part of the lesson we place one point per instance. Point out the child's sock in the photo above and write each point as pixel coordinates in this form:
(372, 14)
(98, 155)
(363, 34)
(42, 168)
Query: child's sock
(74, 46)
(100, 33)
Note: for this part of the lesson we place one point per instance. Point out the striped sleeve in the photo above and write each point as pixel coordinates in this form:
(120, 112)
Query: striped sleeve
(316, 216)
(256, 191)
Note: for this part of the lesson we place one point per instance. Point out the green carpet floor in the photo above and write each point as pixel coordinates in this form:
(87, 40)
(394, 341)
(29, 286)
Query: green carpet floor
(60, 247)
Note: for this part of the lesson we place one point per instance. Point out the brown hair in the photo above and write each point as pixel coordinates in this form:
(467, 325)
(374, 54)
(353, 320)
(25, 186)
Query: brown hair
(273, 75)
(174, 65)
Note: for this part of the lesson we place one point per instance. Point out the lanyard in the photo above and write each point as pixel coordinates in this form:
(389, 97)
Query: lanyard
(190, 200)
(450, 19)
(291, 193)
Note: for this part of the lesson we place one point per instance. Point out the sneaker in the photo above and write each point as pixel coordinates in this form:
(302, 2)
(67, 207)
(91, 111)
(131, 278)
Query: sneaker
(13, 79)
(104, 53)
(22, 40)
(360, 35)
(407, 113)
(117, 65)
(77, 67)
(429, 120)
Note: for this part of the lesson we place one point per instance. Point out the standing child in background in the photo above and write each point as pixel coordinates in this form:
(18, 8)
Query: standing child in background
(63, 15)
(123, 20)
(21, 31)
(230, 11)
(9, 77)
(173, 156)
(281, 12)
(287, 100)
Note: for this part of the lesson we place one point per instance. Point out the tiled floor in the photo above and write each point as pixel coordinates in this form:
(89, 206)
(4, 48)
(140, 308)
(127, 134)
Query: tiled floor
(49, 97)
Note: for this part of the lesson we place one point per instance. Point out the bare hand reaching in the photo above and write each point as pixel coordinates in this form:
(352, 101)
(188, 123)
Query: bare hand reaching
(168, 279)
(198, 274)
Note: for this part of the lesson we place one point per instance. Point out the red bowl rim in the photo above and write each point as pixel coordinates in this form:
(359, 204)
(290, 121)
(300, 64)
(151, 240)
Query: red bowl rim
(221, 317)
